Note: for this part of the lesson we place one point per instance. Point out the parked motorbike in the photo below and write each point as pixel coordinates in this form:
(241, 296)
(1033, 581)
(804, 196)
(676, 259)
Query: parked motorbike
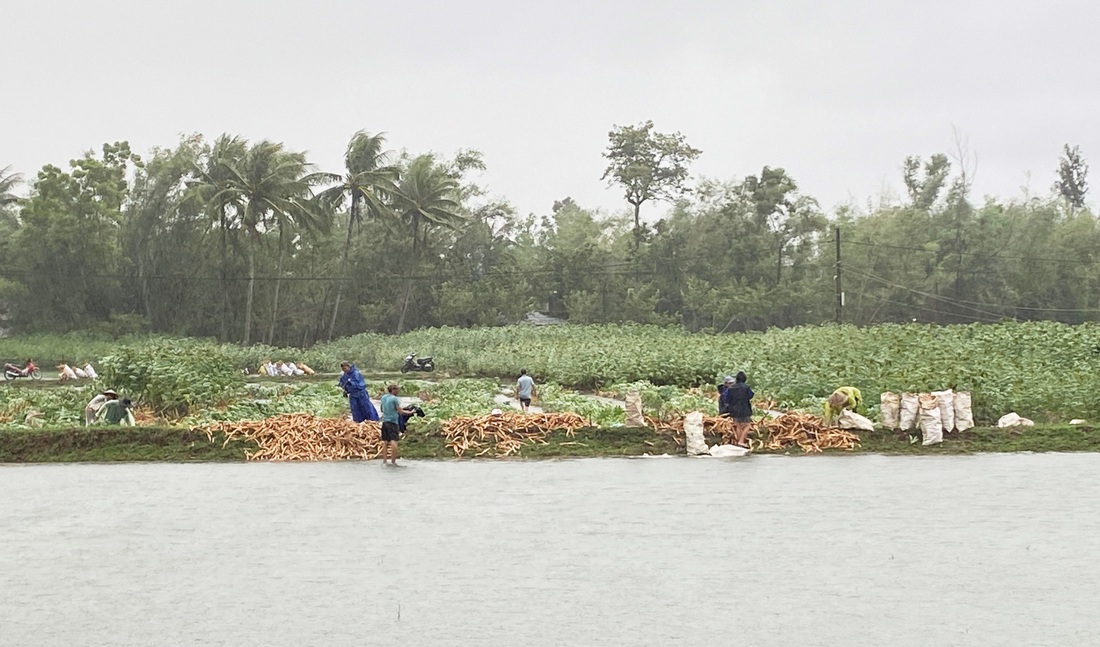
(412, 363)
(11, 371)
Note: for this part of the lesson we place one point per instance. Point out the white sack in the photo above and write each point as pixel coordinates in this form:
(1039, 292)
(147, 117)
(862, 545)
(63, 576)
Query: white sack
(91, 372)
(693, 432)
(81, 373)
(1013, 420)
(910, 411)
(634, 417)
(1077, 421)
(930, 424)
(727, 451)
(891, 410)
(964, 417)
(946, 401)
(852, 420)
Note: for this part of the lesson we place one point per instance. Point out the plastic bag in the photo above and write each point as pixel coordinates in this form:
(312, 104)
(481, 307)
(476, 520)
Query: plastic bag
(930, 424)
(910, 411)
(693, 432)
(964, 417)
(634, 417)
(890, 410)
(946, 400)
(852, 420)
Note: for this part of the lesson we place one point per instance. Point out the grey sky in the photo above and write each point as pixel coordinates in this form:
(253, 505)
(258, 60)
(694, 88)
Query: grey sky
(838, 92)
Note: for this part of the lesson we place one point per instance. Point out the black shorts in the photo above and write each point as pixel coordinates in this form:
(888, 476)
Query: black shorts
(525, 401)
(390, 431)
(742, 419)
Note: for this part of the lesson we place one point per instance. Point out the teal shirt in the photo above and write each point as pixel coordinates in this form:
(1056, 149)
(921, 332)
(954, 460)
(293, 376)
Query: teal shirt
(390, 405)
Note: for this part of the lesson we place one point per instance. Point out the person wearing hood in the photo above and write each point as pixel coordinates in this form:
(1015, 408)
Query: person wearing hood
(355, 390)
(736, 402)
(93, 406)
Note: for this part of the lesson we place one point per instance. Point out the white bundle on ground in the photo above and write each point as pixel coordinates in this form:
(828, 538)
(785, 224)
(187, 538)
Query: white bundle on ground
(930, 424)
(1014, 420)
(946, 401)
(693, 433)
(910, 411)
(727, 451)
(634, 417)
(852, 420)
(891, 410)
(964, 417)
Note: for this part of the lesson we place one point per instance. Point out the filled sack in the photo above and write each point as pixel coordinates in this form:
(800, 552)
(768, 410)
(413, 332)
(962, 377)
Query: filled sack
(964, 416)
(634, 417)
(946, 400)
(852, 420)
(909, 415)
(930, 425)
(890, 412)
(693, 433)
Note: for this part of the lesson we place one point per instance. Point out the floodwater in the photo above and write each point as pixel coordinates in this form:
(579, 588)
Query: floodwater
(861, 550)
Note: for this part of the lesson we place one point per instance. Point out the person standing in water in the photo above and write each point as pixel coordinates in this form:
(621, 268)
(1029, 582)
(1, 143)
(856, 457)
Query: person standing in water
(525, 389)
(736, 402)
(391, 423)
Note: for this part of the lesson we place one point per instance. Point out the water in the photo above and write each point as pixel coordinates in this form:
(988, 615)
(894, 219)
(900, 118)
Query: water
(867, 550)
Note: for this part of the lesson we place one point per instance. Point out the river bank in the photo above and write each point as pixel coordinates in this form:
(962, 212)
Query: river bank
(176, 444)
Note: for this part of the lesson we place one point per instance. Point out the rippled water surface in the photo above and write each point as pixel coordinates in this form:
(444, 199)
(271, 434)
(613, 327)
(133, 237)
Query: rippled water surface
(862, 550)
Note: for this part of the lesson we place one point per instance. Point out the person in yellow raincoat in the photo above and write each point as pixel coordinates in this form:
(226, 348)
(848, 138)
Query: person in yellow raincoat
(846, 397)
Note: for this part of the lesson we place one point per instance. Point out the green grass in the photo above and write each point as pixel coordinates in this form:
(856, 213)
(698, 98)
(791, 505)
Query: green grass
(170, 444)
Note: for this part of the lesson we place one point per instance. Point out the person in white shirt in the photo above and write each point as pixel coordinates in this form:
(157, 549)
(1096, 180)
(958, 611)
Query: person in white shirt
(95, 403)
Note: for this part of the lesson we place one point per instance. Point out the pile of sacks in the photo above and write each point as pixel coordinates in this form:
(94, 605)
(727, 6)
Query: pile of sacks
(933, 413)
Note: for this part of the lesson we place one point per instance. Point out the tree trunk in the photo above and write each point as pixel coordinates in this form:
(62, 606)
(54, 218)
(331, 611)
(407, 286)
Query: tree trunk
(223, 331)
(275, 301)
(248, 299)
(343, 267)
(779, 265)
(404, 306)
(637, 216)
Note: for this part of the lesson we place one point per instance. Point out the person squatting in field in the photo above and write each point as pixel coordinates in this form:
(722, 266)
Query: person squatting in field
(735, 402)
(392, 412)
(846, 397)
(355, 389)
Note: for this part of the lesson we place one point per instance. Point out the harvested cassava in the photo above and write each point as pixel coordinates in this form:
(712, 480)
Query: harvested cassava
(302, 437)
(806, 431)
(504, 434)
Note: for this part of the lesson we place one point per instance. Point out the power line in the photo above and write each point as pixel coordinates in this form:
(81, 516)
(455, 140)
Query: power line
(973, 254)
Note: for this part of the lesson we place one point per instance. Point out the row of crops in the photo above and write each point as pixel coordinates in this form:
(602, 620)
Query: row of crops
(1043, 370)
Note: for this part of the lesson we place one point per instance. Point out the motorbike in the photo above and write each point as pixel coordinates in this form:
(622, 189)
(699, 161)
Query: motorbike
(11, 371)
(413, 363)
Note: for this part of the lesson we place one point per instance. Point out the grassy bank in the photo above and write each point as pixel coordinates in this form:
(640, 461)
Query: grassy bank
(168, 444)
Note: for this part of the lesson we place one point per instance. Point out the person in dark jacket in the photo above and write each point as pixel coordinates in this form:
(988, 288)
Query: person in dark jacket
(736, 402)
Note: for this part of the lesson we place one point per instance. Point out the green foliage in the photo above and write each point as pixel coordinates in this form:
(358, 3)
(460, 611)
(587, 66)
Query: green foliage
(647, 164)
(173, 378)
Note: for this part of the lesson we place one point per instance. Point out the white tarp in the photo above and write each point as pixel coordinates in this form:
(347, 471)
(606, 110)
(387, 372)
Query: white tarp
(1013, 420)
(930, 424)
(852, 420)
(693, 432)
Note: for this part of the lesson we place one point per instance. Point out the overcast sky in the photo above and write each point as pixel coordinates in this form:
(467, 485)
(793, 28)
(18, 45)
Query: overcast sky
(836, 92)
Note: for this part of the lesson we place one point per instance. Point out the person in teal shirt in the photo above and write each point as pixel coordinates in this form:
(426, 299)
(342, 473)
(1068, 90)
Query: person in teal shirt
(391, 423)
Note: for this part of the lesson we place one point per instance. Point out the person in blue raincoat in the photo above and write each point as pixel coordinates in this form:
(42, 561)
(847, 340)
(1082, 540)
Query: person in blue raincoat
(355, 388)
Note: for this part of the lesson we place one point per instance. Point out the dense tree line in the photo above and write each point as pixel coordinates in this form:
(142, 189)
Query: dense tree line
(247, 241)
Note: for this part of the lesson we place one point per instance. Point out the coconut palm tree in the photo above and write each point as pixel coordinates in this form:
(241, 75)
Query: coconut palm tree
(369, 181)
(275, 188)
(8, 182)
(212, 186)
(426, 196)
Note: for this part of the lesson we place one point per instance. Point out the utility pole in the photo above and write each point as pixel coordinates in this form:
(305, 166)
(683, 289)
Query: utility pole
(839, 292)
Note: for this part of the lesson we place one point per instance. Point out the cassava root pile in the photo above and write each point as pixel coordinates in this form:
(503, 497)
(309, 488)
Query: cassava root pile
(807, 431)
(302, 437)
(505, 433)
